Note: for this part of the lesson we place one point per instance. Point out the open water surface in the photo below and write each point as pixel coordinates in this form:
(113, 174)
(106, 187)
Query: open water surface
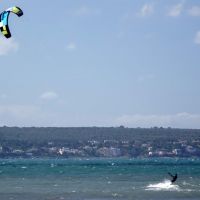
(99, 179)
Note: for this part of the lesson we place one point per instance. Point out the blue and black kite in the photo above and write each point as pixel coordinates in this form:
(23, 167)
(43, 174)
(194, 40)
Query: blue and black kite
(4, 16)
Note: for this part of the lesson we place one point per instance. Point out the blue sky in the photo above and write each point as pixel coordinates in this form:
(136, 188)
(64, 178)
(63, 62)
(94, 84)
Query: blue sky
(101, 63)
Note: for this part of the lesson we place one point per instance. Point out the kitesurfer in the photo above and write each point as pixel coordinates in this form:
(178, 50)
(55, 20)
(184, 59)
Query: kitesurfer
(174, 177)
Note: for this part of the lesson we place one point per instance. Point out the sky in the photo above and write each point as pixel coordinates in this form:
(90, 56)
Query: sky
(100, 63)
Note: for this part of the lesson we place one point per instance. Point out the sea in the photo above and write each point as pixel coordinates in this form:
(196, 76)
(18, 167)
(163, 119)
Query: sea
(99, 179)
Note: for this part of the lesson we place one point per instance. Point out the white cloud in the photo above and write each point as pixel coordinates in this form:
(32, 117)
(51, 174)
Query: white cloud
(71, 46)
(179, 120)
(26, 115)
(49, 95)
(7, 46)
(176, 10)
(146, 10)
(16, 110)
(30, 115)
(197, 38)
(17, 115)
(194, 11)
(37, 115)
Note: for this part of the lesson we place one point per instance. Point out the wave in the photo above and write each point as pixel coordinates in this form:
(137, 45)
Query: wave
(163, 186)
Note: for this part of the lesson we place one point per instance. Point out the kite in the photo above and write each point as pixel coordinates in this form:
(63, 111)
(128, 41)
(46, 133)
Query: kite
(4, 27)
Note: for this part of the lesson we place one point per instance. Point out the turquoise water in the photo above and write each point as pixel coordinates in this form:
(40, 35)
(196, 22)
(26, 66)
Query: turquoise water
(99, 179)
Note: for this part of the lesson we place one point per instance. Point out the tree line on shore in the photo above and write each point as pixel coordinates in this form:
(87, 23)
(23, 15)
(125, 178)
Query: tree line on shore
(94, 141)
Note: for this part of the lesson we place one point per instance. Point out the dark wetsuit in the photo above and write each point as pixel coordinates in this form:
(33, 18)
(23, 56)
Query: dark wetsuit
(174, 177)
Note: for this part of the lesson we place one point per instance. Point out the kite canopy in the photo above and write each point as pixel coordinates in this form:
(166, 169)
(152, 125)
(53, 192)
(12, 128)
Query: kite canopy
(4, 20)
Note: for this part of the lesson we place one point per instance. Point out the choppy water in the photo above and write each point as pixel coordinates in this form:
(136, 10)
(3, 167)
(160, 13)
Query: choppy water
(99, 179)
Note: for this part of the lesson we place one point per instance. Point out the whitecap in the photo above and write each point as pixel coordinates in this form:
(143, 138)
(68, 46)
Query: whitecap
(165, 186)
(52, 165)
(19, 187)
(192, 185)
(115, 194)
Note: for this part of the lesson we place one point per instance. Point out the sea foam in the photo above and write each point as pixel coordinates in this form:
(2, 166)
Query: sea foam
(165, 185)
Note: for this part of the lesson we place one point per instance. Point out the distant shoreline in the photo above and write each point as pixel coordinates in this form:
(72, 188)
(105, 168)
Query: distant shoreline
(98, 142)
